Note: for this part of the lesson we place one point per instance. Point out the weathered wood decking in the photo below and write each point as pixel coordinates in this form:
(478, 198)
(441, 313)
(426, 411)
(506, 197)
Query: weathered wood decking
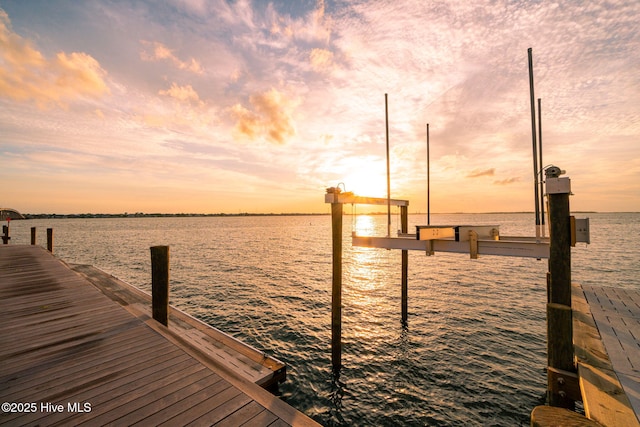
(239, 357)
(77, 357)
(606, 323)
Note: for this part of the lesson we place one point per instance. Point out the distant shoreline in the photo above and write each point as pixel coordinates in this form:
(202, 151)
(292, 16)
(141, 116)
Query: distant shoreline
(242, 214)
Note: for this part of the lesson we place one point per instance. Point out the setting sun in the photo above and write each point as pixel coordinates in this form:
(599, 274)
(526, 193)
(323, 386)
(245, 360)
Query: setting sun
(367, 178)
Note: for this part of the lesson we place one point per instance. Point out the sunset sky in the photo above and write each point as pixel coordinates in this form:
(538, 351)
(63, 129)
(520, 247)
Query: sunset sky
(257, 106)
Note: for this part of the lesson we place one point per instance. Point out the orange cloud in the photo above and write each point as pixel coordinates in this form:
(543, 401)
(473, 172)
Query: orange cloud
(25, 74)
(182, 93)
(321, 59)
(271, 117)
(478, 173)
(159, 52)
(506, 181)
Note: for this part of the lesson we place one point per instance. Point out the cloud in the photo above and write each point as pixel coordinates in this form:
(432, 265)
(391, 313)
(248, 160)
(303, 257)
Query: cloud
(182, 93)
(478, 173)
(158, 51)
(507, 181)
(321, 59)
(270, 117)
(25, 74)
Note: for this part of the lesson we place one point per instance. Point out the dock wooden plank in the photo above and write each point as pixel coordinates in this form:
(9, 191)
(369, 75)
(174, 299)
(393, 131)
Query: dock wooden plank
(126, 341)
(158, 412)
(264, 418)
(67, 343)
(253, 364)
(606, 330)
(202, 403)
(125, 408)
(101, 393)
(246, 412)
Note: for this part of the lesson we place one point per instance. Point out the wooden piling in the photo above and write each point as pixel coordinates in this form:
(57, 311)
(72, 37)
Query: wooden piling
(336, 288)
(404, 228)
(50, 239)
(33, 235)
(5, 234)
(160, 284)
(559, 318)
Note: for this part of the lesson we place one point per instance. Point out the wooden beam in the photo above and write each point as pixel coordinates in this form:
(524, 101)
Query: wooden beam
(351, 198)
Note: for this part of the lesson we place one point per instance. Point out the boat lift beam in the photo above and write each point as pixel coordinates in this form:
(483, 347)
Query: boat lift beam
(511, 246)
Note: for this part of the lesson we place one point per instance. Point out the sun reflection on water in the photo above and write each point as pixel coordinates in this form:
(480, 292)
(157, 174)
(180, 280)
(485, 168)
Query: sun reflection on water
(364, 225)
(366, 298)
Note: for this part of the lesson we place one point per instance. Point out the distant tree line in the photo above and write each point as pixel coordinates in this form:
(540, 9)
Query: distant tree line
(158, 215)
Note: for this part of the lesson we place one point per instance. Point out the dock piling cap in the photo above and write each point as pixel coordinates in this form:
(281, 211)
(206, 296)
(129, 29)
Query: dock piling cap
(549, 416)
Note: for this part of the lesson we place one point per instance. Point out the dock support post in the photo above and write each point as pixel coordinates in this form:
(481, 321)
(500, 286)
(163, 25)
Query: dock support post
(559, 318)
(5, 234)
(50, 239)
(404, 228)
(160, 284)
(33, 235)
(336, 287)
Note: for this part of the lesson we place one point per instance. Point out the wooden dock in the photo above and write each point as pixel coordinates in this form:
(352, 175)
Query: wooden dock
(606, 325)
(73, 354)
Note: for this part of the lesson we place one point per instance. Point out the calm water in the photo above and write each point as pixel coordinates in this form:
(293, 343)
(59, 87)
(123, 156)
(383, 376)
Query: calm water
(473, 352)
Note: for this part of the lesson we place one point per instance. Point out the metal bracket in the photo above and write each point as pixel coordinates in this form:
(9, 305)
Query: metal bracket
(429, 246)
(564, 383)
(579, 230)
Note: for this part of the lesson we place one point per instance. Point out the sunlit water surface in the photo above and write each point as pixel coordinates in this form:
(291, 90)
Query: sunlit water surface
(472, 353)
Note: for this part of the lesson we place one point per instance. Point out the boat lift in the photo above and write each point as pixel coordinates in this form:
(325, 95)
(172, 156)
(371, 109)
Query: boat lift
(472, 239)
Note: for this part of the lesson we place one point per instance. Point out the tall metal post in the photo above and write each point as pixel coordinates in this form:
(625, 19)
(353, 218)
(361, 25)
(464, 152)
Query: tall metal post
(559, 316)
(535, 150)
(386, 120)
(428, 181)
(336, 287)
(542, 220)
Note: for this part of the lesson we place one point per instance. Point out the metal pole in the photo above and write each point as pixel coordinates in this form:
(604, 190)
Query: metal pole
(542, 220)
(428, 181)
(535, 151)
(386, 119)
